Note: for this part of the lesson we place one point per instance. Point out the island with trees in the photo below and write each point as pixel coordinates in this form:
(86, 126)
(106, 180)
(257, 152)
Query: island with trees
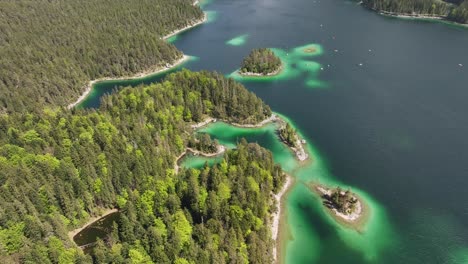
(450, 10)
(121, 157)
(261, 62)
(290, 137)
(345, 206)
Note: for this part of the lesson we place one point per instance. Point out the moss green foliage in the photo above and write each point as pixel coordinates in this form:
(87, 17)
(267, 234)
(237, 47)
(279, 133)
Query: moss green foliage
(343, 201)
(261, 61)
(59, 167)
(288, 134)
(454, 10)
(49, 50)
(204, 143)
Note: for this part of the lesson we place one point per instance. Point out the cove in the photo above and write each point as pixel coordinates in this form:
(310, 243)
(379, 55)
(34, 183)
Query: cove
(391, 123)
(302, 205)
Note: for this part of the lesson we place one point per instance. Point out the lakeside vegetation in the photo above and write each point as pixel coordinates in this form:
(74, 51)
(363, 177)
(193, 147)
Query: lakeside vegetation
(261, 62)
(343, 201)
(58, 168)
(452, 10)
(50, 50)
(203, 142)
(288, 134)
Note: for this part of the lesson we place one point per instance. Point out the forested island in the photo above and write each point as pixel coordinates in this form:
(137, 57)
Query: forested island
(451, 10)
(50, 50)
(288, 135)
(261, 62)
(345, 206)
(60, 167)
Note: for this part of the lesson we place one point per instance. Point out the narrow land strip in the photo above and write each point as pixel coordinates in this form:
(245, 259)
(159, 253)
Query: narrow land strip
(275, 224)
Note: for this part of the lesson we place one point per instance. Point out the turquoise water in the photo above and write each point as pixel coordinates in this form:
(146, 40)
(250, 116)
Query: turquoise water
(377, 237)
(238, 41)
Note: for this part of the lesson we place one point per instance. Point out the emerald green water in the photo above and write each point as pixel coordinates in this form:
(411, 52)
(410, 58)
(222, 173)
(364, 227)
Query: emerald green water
(295, 62)
(304, 207)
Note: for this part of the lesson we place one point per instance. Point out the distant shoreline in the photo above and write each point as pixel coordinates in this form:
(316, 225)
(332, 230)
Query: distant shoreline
(191, 25)
(253, 74)
(415, 16)
(89, 86)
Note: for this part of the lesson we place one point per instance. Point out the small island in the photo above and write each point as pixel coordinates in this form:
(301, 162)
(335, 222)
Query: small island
(261, 62)
(345, 206)
(288, 135)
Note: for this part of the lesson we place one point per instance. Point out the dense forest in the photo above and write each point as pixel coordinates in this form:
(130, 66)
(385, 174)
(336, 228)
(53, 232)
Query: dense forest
(261, 61)
(453, 10)
(59, 167)
(49, 50)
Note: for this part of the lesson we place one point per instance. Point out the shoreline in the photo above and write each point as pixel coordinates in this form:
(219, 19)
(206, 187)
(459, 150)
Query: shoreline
(89, 86)
(416, 16)
(356, 220)
(299, 151)
(74, 232)
(253, 74)
(150, 71)
(262, 123)
(279, 215)
(189, 26)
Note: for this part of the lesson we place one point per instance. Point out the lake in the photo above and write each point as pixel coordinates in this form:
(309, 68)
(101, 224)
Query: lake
(384, 113)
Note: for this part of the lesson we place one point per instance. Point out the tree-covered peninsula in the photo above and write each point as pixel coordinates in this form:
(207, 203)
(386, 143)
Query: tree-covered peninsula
(452, 10)
(60, 167)
(261, 62)
(288, 135)
(50, 50)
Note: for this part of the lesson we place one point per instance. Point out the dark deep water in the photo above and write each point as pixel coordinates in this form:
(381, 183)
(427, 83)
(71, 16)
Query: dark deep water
(394, 127)
(98, 230)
